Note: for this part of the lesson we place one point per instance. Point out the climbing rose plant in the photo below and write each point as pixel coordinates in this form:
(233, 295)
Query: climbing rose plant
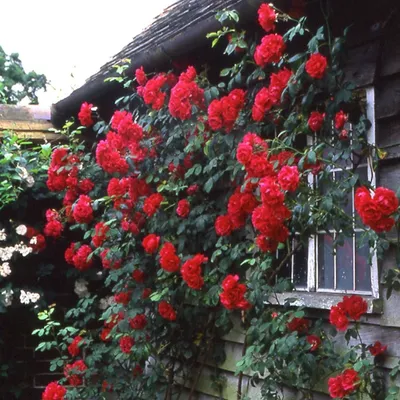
(182, 218)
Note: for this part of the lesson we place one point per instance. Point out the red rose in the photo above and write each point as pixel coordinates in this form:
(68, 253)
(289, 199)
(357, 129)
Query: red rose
(86, 185)
(152, 204)
(105, 334)
(265, 244)
(169, 261)
(233, 293)
(337, 317)
(355, 306)
(340, 120)
(289, 178)
(316, 66)
(73, 372)
(126, 343)
(137, 371)
(270, 191)
(140, 76)
(85, 114)
(150, 243)
(192, 189)
(350, 380)
(139, 322)
(335, 387)
(316, 121)
(377, 349)
(73, 348)
(263, 102)
(167, 311)
(100, 234)
(244, 153)
(299, 325)
(314, 341)
(191, 271)
(82, 211)
(183, 208)
(81, 260)
(267, 17)
(223, 226)
(138, 275)
(146, 293)
(53, 229)
(386, 200)
(270, 50)
(54, 391)
(123, 298)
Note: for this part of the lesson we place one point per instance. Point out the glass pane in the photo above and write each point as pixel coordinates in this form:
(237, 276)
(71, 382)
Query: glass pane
(325, 262)
(344, 265)
(285, 271)
(300, 265)
(363, 267)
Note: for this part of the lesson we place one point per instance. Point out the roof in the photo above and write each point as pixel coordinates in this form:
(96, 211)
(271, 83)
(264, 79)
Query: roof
(181, 28)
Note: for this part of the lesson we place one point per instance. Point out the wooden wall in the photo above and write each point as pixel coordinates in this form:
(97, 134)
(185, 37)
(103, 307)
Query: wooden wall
(374, 60)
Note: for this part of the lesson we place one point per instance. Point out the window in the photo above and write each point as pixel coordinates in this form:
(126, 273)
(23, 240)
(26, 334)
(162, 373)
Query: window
(350, 268)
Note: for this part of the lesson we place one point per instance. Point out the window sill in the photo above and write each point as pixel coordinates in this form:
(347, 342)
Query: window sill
(323, 301)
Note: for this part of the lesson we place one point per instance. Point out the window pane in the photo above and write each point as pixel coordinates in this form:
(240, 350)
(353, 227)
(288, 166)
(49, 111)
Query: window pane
(363, 267)
(325, 262)
(300, 267)
(344, 265)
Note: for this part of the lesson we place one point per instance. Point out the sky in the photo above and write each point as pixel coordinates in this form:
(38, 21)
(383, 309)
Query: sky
(69, 40)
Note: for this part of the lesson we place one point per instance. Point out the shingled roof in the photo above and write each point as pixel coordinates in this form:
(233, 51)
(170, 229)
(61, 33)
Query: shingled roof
(181, 28)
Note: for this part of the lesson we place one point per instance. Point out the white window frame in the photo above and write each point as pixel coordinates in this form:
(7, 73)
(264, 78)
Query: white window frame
(314, 297)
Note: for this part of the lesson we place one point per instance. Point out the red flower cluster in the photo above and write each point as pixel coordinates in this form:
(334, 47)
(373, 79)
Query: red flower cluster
(139, 322)
(63, 171)
(315, 121)
(353, 307)
(299, 325)
(169, 261)
(223, 113)
(343, 384)
(377, 349)
(74, 372)
(267, 17)
(123, 298)
(166, 311)
(270, 50)
(125, 141)
(185, 94)
(79, 258)
(376, 211)
(53, 227)
(150, 243)
(191, 271)
(126, 343)
(151, 92)
(314, 341)
(54, 391)
(100, 234)
(85, 114)
(152, 204)
(289, 178)
(192, 190)
(138, 276)
(232, 296)
(140, 76)
(340, 120)
(270, 96)
(73, 348)
(316, 66)
(183, 208)
(82, 211)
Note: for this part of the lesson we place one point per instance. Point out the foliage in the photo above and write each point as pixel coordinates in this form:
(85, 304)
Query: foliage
(185, 214)
(16, 83)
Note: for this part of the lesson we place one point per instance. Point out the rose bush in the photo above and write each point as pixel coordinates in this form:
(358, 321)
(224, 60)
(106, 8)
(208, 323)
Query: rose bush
(185, 211)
